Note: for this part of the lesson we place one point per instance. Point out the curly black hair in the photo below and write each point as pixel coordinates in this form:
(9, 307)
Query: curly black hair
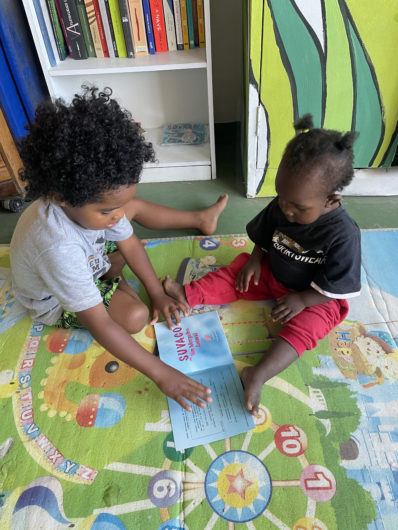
(79, 151)
(331, 149)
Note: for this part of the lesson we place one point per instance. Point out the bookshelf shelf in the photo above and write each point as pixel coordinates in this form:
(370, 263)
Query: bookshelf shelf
(161, 61)
(167, 87)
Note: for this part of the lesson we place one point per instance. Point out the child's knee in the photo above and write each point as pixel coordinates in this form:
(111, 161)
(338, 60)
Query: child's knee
(136, 319)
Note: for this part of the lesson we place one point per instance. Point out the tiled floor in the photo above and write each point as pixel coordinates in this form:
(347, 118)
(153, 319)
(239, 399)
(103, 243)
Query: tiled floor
(369, 212)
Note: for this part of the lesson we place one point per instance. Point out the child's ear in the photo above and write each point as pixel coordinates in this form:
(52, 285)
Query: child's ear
(332, 199)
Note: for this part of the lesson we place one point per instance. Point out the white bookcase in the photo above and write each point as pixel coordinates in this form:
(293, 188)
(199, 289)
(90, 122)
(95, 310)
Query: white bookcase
(168, 87)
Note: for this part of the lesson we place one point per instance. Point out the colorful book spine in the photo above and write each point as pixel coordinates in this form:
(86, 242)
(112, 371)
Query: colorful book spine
(85, 28)
(148, 26)
(63, 27)
(177, 21)
(159, 28)
(57, 30)
(170, 25)
(184, 23)
(117, 28)
(127, 29)
(138, 27)
(201, 24)
(93, 25)
(94, 29)
(109, 17)
(195, 22)
(191, 34)
(73, 28)
(107, 29)
(47, 21)
(101, 28)
(44, 32)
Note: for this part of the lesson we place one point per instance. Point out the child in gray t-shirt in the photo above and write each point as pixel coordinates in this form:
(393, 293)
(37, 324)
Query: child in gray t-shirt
(82, 164)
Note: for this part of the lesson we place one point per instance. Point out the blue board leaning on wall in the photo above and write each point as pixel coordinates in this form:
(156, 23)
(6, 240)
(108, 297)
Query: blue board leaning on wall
(22, 82)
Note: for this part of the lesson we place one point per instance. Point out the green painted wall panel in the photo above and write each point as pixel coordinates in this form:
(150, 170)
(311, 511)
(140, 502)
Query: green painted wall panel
(350, 85)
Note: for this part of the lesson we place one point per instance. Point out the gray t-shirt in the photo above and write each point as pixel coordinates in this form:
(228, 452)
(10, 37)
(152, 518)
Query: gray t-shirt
(54, 261)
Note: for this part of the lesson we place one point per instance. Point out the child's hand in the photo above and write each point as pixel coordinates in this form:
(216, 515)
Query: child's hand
(180, 387)
(252, 269)
(287, 307)
(168, 306)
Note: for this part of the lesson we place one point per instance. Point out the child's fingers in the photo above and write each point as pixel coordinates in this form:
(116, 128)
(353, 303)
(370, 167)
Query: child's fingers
(155, 317)
(283, 316)
(177, 315)
(169, 322)
(242, 283)
(197, 397)
(184, 306)
(256, 277)
(181, 401)
(279, 312)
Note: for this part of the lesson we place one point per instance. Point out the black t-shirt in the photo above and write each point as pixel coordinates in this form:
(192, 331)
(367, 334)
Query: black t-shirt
(324, 255)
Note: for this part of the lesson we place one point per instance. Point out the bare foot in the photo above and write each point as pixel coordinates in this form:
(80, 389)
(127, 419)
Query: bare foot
(175, 290)
(253, 387)
(209, 216)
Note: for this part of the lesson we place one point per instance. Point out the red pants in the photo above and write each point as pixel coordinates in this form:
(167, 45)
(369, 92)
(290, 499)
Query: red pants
(302, 332)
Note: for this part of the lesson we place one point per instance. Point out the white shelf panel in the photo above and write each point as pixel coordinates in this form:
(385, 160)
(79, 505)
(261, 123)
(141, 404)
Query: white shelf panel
(175, 174)
(176, 155)
(177, 60)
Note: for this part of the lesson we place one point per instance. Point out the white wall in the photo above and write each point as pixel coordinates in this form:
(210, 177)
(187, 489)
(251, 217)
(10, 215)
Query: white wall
(226, 36)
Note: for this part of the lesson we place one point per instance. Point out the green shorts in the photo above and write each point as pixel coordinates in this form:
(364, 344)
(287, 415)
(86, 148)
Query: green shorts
(68, 319)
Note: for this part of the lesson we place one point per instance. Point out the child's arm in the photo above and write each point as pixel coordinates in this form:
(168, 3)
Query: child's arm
(118, 342)
(137, 259)
(292, 304)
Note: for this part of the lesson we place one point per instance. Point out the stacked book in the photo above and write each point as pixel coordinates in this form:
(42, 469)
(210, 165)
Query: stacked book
(119, 28)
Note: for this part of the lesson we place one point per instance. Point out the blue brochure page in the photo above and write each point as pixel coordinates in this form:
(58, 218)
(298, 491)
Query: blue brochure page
(199, 349)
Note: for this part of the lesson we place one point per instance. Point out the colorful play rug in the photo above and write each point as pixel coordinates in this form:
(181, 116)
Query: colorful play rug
(86, 442)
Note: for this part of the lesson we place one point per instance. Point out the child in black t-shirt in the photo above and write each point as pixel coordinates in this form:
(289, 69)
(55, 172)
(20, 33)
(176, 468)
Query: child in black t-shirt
(307, 254)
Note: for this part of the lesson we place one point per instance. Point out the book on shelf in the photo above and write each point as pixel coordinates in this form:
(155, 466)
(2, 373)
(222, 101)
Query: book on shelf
(85, 28)
(101, 28)
(47, 22)
(199, 349)
(127, 28)
(148, 26)
(107, 29)
(63, 28)
(138, 27)
(195, 22)
(170, 25)
(96, 28)
(201, 24)
(72, 26)
(190, 24)
(57, 30)
(184, 134)
(117, 28)
(178, 26)
(44, 29)
(184, 23)
(112, 31)
(158, 24)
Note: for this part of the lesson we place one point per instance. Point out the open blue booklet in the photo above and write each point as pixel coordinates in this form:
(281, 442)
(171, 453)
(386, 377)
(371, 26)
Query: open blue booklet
(199, 349)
